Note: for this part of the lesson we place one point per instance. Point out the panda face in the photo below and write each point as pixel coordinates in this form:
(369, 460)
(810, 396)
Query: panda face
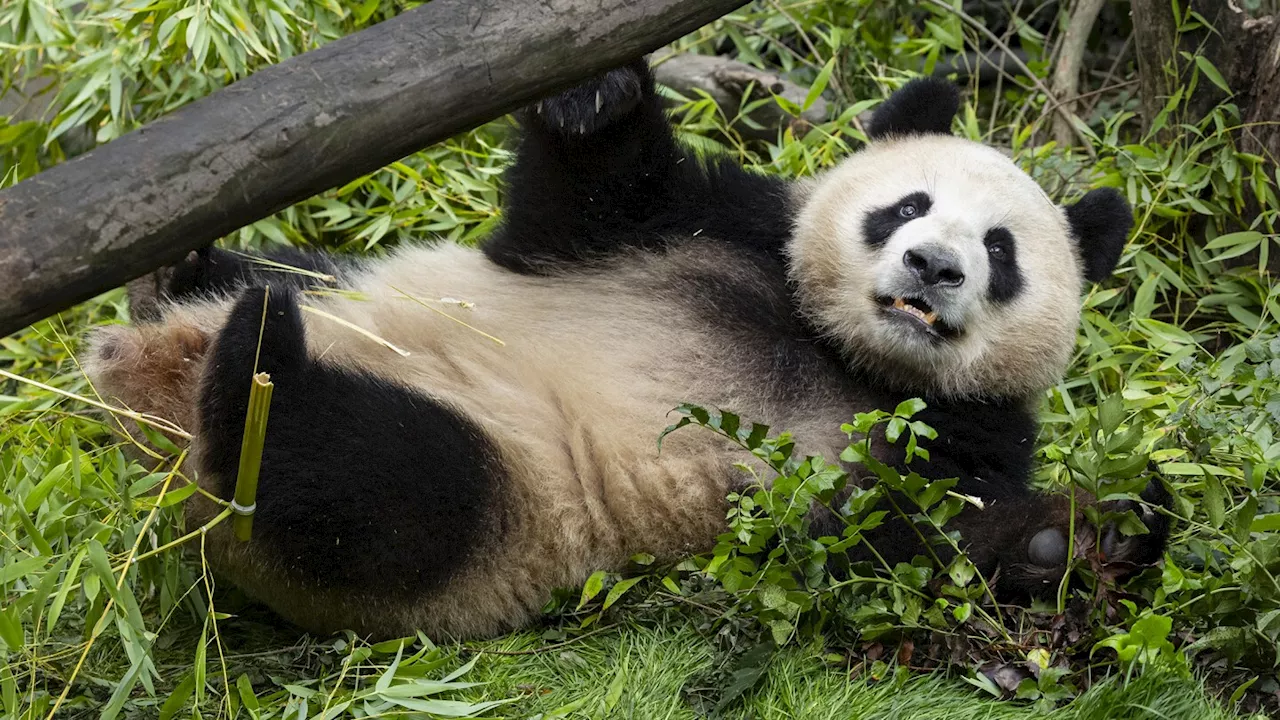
(939, 265)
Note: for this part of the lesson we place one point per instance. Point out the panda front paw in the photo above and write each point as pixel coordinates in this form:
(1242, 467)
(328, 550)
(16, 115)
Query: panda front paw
(595, 104)
(201, 272)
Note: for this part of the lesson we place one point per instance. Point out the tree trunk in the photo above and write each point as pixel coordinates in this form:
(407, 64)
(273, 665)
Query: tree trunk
(1250, 61)
(1155, 38)
(1066, 73)
(1244, 49)
(298, 128)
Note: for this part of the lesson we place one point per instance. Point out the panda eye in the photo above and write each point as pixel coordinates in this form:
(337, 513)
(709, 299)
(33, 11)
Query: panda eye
(908, 210)
(997, 251)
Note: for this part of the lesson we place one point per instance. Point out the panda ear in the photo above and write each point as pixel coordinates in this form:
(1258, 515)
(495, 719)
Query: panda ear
(924, 105)
(1100, 222)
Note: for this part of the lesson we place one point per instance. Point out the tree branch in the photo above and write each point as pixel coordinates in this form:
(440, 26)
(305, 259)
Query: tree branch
(298, 128)
(1066, 75)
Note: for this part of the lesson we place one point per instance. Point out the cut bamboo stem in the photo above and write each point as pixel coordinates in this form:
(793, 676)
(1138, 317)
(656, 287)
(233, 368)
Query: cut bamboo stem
(255, 435)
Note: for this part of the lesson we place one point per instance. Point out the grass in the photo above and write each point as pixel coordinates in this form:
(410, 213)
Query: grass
(1179, 355)
(638, 671)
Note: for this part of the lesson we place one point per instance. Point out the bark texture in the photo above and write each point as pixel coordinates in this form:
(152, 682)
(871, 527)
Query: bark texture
(1066, 73)
(1245, 49)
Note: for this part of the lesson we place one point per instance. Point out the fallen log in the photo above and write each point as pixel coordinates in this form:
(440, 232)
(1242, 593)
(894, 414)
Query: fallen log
(295, 129)
(726, 80)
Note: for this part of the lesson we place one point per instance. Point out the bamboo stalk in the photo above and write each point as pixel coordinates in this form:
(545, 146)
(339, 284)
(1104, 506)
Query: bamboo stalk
(255, 434)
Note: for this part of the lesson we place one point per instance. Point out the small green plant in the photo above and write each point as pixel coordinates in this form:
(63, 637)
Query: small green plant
(1146, 644)
(797, 586)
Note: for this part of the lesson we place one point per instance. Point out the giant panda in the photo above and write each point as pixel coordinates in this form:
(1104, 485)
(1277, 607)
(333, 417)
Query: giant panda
(456, 432)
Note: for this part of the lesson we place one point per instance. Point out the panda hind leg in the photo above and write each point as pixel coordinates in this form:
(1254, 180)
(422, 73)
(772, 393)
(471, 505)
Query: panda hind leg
(1026, 538)
(371, 494)
(214, 271)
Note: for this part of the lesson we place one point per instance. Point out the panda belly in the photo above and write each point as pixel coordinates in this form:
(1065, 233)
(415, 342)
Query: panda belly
(573, 378)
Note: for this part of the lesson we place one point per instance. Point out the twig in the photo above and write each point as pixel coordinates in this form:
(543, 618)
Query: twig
(447, 315)
(158, 423)
(1111, 73)
(835, 81)
(189, 536)
(352, 326)
(969, 19)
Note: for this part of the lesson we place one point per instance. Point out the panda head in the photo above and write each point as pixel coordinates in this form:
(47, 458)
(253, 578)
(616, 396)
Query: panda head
(939, 266)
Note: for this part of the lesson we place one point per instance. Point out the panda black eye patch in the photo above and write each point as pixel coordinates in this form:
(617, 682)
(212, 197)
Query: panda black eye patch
(1006, 278)
(880, 224)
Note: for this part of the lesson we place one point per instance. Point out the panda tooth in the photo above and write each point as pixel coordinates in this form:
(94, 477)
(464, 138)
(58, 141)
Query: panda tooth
(928, 318)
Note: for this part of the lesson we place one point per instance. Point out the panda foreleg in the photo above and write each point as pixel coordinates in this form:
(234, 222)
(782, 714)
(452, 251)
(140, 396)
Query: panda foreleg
(597, 169)
(373, 498)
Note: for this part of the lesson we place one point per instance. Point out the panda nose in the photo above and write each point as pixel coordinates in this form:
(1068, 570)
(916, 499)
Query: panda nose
(934, 265)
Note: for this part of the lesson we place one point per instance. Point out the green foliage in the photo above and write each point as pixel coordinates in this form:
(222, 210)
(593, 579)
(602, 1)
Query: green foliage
(1147, 644)
(1176, 378)
(84, 73)
(778, 572)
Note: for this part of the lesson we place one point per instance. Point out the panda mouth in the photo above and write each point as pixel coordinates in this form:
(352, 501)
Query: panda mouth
(919, 312)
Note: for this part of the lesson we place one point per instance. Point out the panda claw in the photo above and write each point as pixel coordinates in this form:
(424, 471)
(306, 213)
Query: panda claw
(597, 103)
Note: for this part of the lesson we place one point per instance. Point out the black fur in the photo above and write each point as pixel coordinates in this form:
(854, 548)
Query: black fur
(924, 105)
(355, 468)
(584, 109)
(988, 445)
(213, 270)
(1100, 222)
(879, 225)
(1006, 276)
(1152, 545)
(577, 198)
